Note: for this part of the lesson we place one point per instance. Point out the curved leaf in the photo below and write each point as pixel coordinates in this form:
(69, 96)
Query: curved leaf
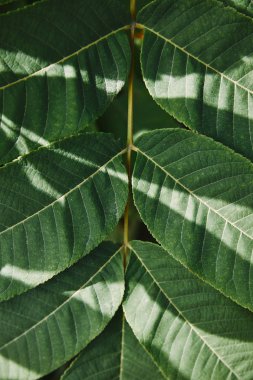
(190, 329)
(60, 67)
(115, 354)
(57, 204)
(197, 64)
(44, 328)
(196, 196)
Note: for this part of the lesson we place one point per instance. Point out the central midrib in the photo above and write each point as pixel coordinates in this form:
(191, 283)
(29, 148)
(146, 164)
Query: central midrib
(65, 194)
(46, 68)
(168, 40)
(189, 191)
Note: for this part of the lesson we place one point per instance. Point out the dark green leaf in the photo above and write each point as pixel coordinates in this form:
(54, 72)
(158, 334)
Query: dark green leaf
(244, 6)
(196, 196)
(197, 64)
(47, 326)
(57, 204)
(60, 67)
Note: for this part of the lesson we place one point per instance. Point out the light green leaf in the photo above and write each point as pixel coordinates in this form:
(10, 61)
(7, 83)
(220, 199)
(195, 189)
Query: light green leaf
(191, 330)
(60, 67)
(196, 197)
(44, 328)
(197, 64)
(57, 204)
(115, 354)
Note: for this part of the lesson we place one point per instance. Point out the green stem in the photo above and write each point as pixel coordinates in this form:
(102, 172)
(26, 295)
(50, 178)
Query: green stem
(129, 129)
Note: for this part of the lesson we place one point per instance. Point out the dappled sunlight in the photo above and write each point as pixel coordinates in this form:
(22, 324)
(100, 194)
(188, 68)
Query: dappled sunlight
(196, 197)
(88, 295)
(12, 370)
(41, 183)
(174, 199)
(28, 277)
(174, 338)
(49, 201)
(185, 324)
(67, 313)
(172, 87)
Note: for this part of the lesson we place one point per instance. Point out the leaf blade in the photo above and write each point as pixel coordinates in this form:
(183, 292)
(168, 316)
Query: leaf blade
(209, 89)
(189, 328)
(195, 197)
(70, 74)
(67, 313)
(50, 200)
(115, 354)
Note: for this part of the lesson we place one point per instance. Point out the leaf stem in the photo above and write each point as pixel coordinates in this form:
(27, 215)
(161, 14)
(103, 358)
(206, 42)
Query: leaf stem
(129, 128)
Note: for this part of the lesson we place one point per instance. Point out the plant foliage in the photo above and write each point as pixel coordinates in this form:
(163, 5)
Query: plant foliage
(180, 308)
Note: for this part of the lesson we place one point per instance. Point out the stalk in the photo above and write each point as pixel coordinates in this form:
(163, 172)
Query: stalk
(129, 142)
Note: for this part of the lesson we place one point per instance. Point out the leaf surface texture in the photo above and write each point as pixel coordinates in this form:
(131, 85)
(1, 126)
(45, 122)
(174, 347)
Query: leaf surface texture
(60, 67)
(115, 354)
(57, 204)
(45, 327)
(195, 195)
(190, 330)
(197, 64)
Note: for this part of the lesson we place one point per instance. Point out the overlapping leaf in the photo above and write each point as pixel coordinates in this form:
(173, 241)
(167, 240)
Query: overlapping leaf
(197, 64)
(45, 327)
(196, 197)
(115, 354)
(60, 66)
(191, 330)
(56, 205)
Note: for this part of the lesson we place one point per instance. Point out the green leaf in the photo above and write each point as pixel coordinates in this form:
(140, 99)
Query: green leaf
(244, 6)
(60, 67)
(56, 205)
(115, 354)
(190, 329)
(195, 196)
(44, 328)
(197, 64)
